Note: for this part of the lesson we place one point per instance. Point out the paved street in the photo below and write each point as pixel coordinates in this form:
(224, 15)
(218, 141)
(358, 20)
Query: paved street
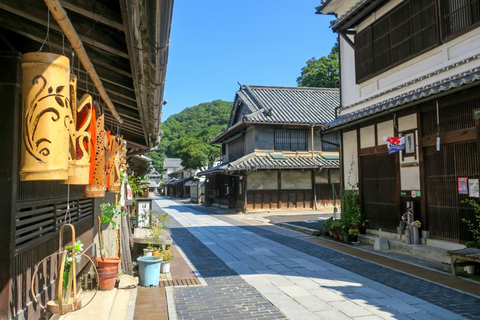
(254, 273)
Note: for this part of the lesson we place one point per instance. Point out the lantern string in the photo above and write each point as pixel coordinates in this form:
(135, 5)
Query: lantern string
(48, 31)
(67, 212)
(63, 43)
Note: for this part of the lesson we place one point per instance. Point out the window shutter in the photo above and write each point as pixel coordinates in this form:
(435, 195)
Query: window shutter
(363, 54)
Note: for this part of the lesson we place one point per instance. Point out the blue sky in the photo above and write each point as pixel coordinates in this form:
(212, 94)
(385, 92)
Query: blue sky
(217, 43)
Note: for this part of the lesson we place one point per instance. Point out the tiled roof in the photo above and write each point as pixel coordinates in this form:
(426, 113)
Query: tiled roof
(254, 161)
(456, 81)
(289, 104)
(172, 163)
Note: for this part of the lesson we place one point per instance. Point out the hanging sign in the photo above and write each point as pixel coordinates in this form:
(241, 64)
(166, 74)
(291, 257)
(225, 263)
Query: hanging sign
(462, 185)
(395, 144)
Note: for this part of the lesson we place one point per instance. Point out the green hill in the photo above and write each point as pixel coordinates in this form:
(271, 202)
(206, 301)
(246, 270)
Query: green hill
(193, 119)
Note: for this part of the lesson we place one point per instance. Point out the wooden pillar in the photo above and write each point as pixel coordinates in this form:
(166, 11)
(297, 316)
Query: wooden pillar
(423, 192)
(10, 132)
(279, 187)
(314, 206)
(245, 200)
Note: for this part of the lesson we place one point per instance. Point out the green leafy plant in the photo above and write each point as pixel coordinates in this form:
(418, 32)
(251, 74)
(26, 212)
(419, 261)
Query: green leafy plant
(166, 255)
(473, 226)
(138, 189)
(346, 224)
(69, 263)
(109, 213)
(353, 232)
(151, 246)
(159, 224)
(327, 225)
(337, 225)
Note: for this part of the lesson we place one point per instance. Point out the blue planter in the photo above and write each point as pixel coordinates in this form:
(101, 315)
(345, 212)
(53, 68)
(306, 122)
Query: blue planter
(149, 271)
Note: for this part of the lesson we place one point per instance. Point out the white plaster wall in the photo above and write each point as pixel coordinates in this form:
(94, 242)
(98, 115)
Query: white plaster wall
(384, 129)
(409, 176)
(367, 137)
(350, 159)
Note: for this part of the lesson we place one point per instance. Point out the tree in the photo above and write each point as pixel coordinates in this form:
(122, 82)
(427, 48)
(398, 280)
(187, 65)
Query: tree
(193, 119)
(195, 148)
(322, 73)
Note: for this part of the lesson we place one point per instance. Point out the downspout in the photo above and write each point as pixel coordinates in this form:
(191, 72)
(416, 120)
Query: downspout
(61, 17)
(311, 131)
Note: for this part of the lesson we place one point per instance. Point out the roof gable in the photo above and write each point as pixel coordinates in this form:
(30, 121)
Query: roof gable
(285, 105)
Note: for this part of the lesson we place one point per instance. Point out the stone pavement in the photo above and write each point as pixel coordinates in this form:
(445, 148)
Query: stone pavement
(253, 272)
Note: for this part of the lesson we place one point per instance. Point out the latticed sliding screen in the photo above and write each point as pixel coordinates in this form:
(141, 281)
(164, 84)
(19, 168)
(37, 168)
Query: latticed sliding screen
(458, 15)
(409, 29)
(291, 140)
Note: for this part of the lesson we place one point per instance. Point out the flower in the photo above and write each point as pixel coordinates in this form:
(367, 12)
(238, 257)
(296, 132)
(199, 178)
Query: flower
(417, 224)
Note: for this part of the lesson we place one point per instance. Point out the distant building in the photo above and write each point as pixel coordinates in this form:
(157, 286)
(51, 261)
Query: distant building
(272, 155)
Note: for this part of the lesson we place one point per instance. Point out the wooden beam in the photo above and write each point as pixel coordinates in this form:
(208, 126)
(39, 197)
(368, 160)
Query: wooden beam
(92, 15)
(450, 137)
(347, 39)
(30, 14)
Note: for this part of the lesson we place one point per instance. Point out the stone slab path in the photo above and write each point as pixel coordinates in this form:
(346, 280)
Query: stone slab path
(300, 279)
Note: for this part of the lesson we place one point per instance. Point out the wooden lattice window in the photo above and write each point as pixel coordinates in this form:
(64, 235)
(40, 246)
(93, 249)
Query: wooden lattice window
(331, 142)
(405, 31)
(294, 140)
(458, 15)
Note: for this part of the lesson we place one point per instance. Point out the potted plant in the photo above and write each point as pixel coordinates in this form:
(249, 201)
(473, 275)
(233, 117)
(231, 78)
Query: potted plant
(148, 251)
(166, 257)
(336, 228)
(353, 233)
(346, 225)
(327, 227)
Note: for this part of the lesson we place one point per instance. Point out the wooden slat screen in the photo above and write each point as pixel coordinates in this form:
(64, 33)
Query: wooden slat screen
(452, 118)
(331, 142)
(35, 220)
(379, 190)
(403, 32)
(291, 140)
(442, 170)
(458, 15)
(363, 54)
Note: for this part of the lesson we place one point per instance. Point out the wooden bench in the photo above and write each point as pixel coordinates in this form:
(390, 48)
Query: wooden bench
(144, 235)
(470, 254)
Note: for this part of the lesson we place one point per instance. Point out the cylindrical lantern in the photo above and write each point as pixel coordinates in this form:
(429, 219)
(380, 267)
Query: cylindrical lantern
(72, 128)
(96, 189)
(115, 148)
(46, 117)
(84, 144)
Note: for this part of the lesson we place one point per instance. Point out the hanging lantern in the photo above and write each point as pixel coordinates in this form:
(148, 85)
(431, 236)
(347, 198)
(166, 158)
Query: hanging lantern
(71, 128)
(83, 141)
(46, 117)
(116, 144)
(96, 188)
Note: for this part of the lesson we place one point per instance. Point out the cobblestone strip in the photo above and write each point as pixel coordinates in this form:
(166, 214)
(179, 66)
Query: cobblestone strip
(227, 296)
(304, 280)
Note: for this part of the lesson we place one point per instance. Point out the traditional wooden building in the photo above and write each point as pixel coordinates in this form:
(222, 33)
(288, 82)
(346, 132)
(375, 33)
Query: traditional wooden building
(410, 68)
(272, 155)
(121, 50)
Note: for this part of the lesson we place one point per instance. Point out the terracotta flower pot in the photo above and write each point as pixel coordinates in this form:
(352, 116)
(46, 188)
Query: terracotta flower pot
(107, 273)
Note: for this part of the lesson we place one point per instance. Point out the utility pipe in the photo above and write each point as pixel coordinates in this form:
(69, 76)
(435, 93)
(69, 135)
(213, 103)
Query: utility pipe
(61, 17)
